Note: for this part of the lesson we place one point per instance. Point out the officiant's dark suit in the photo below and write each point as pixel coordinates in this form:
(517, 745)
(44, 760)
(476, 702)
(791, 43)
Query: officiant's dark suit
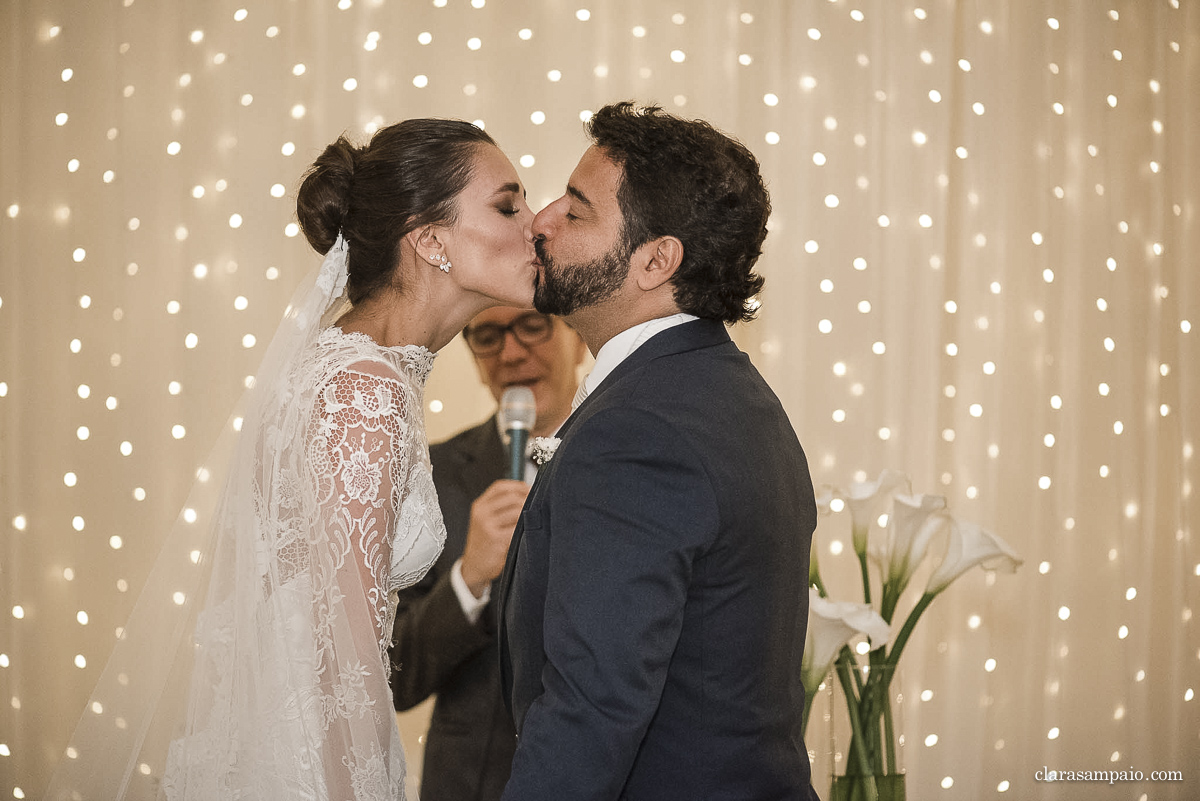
(470, 744)
(654, 602)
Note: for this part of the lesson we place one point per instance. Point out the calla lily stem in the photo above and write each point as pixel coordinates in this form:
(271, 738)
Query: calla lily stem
(857, 744)
(866, 577)
(902, 638)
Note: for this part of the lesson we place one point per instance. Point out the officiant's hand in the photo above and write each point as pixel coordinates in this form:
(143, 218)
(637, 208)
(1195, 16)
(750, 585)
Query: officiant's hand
(494, 516)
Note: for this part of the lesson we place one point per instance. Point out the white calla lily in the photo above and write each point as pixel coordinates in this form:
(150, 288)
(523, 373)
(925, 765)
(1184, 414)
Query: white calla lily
(969, 546)
(832, 624)
(824, 496)
(911, 526)
(896, 553)
(863, 496)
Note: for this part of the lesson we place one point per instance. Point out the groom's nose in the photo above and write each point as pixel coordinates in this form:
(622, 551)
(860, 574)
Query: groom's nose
(545, 224)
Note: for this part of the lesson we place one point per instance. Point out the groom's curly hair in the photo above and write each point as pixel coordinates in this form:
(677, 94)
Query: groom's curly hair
(684, 178)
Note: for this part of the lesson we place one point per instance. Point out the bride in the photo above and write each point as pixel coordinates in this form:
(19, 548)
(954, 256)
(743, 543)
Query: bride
(254, 665)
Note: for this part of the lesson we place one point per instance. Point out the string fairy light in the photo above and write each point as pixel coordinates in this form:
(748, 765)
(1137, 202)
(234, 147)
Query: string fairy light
(942, 296)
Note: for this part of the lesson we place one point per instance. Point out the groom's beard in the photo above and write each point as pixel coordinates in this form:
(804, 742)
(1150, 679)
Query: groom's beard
(561, 289)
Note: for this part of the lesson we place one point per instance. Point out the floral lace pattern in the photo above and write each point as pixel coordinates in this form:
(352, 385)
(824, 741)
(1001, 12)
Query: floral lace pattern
(290, 695)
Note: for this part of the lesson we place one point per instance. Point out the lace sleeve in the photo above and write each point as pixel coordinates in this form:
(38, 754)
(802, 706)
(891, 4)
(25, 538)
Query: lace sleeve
(359, 456)
(362, 431)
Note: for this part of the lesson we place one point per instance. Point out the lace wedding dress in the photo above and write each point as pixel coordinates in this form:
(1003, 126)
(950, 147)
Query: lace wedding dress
(345, 517)
(275, 686)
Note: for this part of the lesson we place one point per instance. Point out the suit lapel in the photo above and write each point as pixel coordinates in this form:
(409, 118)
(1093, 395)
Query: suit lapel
(501, 605)
(688, 336)
(502, 586)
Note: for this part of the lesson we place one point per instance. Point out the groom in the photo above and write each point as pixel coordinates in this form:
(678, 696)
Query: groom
(654, 602)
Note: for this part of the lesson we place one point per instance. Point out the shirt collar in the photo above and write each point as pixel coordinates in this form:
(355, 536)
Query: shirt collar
(618, 349)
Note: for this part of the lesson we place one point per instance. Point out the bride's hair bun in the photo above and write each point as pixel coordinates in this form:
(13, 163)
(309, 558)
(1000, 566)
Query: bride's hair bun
(324, 197)
(409, 175)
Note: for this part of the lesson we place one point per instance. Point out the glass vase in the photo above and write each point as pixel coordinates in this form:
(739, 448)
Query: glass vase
(867, 734)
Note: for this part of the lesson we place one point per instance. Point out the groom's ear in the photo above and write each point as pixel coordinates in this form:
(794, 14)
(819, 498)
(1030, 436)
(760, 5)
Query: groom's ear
(655, 262)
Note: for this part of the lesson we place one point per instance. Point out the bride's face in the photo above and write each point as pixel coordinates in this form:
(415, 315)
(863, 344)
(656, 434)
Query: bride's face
(490, 247)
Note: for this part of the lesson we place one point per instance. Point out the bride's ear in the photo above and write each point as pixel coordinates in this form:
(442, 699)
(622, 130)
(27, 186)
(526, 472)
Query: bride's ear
(427, 243)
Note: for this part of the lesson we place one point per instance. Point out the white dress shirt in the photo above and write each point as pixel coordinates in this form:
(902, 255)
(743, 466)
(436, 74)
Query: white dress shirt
(619, 348)
(472, 607)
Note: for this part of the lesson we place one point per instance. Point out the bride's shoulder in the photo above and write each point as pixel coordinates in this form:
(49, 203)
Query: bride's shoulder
(358, 352)
(364, 373)
(338, 351)
(374, 389)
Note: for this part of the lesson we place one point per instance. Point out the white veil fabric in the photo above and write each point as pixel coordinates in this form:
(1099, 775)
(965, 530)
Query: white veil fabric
(254, 662)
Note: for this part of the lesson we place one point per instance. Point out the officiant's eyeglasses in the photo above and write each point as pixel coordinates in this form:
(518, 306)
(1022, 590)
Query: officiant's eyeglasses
(487, 339)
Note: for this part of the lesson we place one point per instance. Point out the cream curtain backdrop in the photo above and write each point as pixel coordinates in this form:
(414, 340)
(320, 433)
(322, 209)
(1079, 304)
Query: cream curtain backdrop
(981, 272)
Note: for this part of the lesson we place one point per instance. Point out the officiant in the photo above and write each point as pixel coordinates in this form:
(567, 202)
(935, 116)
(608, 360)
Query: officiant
(444, 635)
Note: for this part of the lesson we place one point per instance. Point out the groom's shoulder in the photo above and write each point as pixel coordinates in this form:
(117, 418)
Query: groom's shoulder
(720, 364)
(677, 385)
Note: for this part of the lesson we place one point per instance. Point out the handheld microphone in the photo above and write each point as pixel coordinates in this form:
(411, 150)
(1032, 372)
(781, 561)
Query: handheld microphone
(518, 412)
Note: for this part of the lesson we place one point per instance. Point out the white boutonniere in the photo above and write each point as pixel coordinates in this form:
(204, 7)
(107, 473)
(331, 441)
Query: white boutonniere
(542, 449)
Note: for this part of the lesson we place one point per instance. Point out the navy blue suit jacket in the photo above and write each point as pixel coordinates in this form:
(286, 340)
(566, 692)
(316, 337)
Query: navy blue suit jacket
(654, 603)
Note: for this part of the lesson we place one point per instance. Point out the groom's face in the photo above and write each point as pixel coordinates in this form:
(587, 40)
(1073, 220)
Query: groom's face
(578, 240)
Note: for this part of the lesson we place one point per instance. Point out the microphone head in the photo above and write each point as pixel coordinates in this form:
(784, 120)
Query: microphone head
(518, 408)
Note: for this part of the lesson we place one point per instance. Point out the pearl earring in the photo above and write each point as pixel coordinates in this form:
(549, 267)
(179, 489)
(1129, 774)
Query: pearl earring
(445, 263)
